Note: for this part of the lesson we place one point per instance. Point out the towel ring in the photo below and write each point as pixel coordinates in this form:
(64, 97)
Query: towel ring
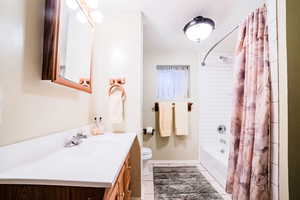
(119, 87)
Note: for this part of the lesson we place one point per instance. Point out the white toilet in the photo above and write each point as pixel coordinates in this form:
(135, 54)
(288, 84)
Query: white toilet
(146, 156)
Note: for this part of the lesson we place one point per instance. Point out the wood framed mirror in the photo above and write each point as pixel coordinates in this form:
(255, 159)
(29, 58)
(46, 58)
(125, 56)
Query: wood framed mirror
(68, 44)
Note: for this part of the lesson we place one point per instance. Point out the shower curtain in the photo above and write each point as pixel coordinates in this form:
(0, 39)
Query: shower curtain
(248, 169)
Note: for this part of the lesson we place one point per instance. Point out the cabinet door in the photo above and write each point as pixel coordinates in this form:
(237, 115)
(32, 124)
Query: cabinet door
(115, 193)
(121, 189)
(127, 176)
(112, 193)
(128, 195)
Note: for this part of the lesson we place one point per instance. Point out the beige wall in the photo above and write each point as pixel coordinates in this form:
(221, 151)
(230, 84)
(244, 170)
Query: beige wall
(119, 54)
(30, 107)
(172, 148)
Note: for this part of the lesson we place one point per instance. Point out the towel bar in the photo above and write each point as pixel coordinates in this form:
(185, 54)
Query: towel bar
(156, 107)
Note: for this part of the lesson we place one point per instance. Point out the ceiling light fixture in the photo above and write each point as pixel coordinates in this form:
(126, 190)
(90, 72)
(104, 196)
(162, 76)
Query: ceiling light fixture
(199, 28)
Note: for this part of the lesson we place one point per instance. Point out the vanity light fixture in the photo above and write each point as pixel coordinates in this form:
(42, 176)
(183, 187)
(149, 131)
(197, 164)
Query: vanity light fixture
(199, 28)
(97, 16)
(92, 3)
(95, 13)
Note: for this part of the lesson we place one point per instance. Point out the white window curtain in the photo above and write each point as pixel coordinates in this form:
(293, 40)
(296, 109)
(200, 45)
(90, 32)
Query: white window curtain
(172, 82)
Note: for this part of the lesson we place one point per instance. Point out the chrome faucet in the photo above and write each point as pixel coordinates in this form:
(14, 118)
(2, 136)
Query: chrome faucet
(80, 135)
(76, 140)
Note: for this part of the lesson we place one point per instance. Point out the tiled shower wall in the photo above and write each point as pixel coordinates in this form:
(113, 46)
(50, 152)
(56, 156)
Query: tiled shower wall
(273, 45)
(215, 93)
(215, 82)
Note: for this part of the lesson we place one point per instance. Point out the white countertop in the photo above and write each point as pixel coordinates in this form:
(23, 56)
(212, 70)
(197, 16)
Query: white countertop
(96, 162)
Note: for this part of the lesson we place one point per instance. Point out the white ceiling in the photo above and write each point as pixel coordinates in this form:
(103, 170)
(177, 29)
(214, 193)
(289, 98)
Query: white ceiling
(165, 19)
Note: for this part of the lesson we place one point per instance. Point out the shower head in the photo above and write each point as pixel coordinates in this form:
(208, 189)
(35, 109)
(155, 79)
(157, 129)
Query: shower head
(226, 60)
(216, 44)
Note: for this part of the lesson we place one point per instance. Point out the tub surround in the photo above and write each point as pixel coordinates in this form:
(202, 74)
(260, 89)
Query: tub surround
(96, 162)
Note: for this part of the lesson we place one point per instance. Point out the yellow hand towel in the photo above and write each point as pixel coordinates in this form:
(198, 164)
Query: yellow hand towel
(165, 118)
(181, 118)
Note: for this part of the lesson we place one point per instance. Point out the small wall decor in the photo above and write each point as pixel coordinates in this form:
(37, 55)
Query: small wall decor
(117, 84)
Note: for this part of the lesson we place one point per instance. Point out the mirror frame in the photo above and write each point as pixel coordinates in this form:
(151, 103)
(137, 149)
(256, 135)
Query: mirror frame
(51, 51)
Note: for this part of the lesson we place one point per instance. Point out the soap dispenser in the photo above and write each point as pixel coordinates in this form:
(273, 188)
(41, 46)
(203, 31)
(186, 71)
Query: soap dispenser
(98, 126)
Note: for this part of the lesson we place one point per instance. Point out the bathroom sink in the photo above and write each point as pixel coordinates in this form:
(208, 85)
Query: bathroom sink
(95, 147)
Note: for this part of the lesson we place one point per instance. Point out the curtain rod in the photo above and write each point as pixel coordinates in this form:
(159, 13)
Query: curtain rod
(203, 63)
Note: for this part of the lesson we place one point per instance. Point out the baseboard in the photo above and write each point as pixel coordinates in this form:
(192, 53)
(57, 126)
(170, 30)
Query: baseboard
(174, 161)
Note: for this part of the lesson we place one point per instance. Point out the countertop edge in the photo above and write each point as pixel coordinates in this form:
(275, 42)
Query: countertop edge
(55, 183)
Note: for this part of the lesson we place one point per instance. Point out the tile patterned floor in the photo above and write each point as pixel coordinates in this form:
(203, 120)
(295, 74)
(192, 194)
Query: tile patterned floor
(148, 187)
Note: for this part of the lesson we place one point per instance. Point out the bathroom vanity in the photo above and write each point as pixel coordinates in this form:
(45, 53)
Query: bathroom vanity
(100, 168)
(120, 190)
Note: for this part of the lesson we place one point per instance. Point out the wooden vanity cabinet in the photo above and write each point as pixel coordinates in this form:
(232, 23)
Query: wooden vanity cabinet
(127, 180)
(119, 191)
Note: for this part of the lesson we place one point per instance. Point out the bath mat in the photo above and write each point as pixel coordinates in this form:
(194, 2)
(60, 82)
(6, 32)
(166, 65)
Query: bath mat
(182, 183)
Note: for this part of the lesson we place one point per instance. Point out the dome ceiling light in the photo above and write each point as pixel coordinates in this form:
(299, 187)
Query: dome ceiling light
(199, 28)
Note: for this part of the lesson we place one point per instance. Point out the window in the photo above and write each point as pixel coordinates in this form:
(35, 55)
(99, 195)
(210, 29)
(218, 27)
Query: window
(173, 82)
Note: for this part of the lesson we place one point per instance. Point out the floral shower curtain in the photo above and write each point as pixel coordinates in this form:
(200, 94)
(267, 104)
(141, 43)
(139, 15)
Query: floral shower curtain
(248, 169)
